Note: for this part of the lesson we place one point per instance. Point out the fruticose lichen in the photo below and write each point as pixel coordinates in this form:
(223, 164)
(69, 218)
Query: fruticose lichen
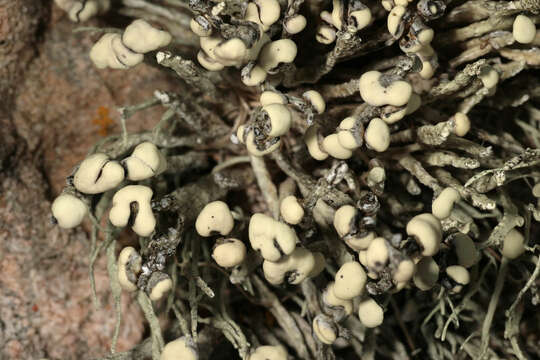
(345, 179)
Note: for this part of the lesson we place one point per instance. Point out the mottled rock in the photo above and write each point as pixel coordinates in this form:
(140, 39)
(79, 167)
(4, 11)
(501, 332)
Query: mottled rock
(49, 94)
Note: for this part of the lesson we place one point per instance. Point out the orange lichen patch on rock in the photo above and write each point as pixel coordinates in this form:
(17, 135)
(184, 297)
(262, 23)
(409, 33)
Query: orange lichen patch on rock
(103, 120)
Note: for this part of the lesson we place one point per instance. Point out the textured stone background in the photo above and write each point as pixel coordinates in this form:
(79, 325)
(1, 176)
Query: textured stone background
(49, 94)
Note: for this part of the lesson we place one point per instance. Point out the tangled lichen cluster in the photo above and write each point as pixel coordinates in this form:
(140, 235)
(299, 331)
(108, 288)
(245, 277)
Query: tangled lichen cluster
(332, 179)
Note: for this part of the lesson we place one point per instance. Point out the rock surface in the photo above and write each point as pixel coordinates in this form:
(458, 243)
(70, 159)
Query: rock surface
(49, 94)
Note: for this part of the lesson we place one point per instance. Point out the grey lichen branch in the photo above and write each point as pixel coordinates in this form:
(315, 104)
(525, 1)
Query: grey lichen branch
(267, 187)
(190, 72)
(330, 194)
(157, 338)
(460, 81)
(509, 220)
(97, 30)
(477, 200)
(284, 319)
(127, 112)
(416, 169)
(447, 158)
(528, 158)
